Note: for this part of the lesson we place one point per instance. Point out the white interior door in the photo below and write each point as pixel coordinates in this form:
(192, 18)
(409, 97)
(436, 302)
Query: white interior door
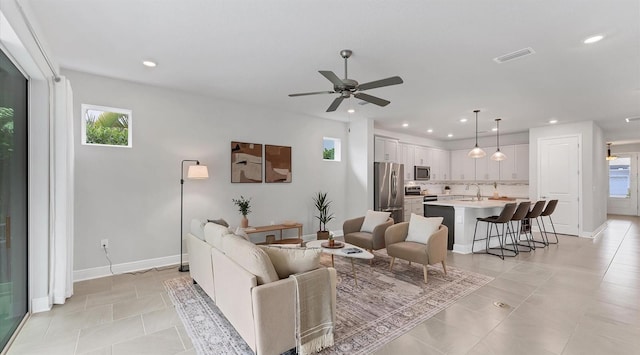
(623, 185)
(559, 179)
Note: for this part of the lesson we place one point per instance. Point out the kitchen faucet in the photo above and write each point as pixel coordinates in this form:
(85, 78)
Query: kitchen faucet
(478, 196)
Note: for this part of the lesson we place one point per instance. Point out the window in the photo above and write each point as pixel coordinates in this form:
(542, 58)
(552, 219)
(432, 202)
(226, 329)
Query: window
(106, 126)
(619, 178)
(331, 149)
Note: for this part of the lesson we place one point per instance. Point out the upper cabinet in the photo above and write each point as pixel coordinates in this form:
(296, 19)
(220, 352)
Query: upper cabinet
(385, 150)
(407, 155)
(515, 167)
(440, 165)
(423, 156)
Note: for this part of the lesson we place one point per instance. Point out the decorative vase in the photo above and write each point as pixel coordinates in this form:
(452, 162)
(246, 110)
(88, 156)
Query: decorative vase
(332, 242)
(244, 222)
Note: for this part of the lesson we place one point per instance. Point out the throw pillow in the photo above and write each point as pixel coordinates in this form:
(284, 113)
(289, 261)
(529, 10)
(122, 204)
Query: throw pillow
(372, 219)
(241, 233)
(197, 228)
(421, 228)
(251, 258)
(220, 221)
(213, 234)
(289, 260)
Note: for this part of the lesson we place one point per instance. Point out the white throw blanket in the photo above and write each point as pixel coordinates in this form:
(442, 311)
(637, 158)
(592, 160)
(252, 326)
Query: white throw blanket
(314, 316)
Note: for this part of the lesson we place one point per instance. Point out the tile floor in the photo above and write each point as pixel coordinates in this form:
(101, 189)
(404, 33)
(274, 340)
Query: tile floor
(579, 297)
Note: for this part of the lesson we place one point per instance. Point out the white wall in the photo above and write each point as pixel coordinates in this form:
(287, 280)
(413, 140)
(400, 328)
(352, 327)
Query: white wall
(360, 165)
(593, 174)
(625, 148)
(488, 141)
(132, 196)
(408, 138)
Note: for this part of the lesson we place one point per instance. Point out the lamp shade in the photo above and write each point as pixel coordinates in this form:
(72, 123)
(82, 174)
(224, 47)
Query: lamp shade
(477, 153)
(498, 156)
(198, 172)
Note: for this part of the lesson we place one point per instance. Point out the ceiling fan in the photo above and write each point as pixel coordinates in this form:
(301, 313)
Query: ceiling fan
(347, 87)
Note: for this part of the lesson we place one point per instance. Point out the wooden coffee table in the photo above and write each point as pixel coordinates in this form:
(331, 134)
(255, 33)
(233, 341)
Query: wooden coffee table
(340, 252)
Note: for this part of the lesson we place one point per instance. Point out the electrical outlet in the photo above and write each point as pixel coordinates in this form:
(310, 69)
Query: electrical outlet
(104, 243)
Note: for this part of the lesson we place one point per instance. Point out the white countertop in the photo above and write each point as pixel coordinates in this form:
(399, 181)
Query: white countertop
(470, 204)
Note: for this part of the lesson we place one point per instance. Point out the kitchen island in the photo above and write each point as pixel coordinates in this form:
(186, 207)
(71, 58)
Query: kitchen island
(460, 217)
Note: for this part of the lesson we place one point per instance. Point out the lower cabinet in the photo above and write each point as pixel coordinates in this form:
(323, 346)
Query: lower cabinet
(412, 205)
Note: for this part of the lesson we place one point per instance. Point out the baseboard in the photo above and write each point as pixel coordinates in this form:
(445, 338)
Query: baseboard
(40, 304)
(102, 271)
(595, 232)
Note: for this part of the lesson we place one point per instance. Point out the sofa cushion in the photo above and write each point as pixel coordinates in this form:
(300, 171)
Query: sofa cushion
(288, 260)
(197, 228)
(250, 257)
(421, 228)
(213, 234)
(373, 219)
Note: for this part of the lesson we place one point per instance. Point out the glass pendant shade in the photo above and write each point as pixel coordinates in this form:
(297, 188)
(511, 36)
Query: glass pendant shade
(476, 152)
(498, 155)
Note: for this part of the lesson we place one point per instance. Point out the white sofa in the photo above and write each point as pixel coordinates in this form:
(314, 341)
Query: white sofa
(242, 281)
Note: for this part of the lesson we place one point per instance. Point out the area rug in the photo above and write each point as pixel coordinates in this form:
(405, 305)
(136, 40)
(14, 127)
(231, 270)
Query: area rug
(384, 305)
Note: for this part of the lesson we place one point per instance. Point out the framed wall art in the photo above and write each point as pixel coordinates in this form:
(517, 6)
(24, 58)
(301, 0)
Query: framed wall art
(277, 163)
(246, 162)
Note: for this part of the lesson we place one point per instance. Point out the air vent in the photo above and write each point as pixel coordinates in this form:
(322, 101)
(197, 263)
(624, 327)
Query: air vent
(514, 55)
(632, 119)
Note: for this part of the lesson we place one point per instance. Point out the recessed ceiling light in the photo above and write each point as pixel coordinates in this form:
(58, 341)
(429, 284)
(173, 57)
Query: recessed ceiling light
(149, 63)
(450, 135)
(553, 121)
(429, 130)
(463, 120)
(351, 110)
(593, 39)
(405, 125)
(494, 129)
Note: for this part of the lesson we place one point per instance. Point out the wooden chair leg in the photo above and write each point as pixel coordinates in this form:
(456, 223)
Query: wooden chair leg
(409, 263)
(444, 267)
(371, 260)
(393, 259)
(424, 269)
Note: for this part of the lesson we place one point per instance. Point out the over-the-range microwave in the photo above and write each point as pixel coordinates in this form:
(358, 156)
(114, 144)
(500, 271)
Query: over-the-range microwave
(421, 173)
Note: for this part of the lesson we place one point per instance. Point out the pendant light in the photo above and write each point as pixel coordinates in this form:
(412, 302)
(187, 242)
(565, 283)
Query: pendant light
(609, 156)
(476, 152)
(498, 155)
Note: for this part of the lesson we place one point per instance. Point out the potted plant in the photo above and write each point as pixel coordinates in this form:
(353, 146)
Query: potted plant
(244, 207)
(324, 216)
(447, 190)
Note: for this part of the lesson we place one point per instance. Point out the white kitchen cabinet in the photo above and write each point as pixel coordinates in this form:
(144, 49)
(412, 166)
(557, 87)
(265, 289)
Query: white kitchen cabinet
(413, 205)
(439, 164)
(462, 167)
(521, 162)
(423, 156)
(385, 150)
(407, 157)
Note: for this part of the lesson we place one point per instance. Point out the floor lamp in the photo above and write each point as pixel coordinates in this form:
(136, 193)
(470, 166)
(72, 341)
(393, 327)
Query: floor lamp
(195, 172)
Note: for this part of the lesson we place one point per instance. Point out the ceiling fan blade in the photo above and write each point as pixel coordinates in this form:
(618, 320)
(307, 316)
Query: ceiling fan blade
(331, 76)
(374, 100)
(335, 104)
(312, 93)
(394, 80)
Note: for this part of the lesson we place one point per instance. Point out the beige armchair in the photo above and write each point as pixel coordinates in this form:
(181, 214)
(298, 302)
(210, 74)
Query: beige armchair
(435, 251)
(370, 241)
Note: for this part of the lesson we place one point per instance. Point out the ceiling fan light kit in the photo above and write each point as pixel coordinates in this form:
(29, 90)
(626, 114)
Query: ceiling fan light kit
(348, 87)
(498, 155)
(477, 152)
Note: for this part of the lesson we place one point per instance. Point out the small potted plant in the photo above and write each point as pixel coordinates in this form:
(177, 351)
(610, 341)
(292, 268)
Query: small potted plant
(447, 190)
(324, 216)
(244, 207)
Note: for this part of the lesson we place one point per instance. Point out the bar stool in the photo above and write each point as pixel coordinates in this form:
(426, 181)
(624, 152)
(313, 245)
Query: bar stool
(551, 206)
(502, 219)
(518, 217)
(535, 212)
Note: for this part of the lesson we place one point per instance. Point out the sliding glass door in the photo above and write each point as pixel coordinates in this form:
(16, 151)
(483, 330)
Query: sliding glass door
(13, 198)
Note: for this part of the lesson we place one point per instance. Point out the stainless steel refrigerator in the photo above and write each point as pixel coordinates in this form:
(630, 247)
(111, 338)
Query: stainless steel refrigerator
(388, 182)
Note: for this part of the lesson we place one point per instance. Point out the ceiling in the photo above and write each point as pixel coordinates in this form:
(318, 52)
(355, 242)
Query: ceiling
(258, 52)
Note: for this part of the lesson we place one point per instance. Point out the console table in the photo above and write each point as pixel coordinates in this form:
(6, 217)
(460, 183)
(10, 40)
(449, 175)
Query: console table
(278, 227)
